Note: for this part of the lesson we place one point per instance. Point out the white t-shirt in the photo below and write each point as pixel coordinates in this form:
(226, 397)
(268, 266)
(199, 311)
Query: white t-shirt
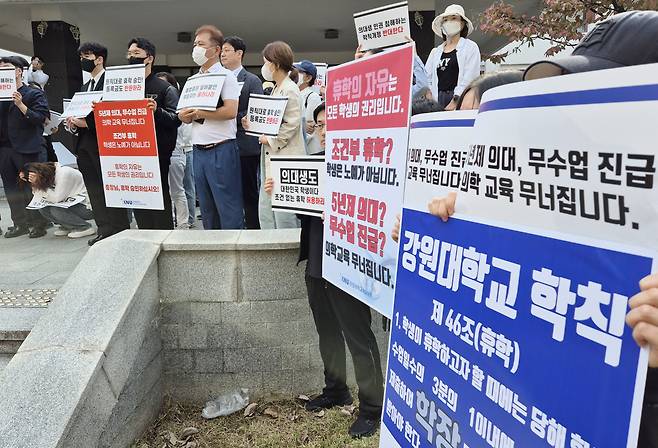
(215, 131)
(310, 101)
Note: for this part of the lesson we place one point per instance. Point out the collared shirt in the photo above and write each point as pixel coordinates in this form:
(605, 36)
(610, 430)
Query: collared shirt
(95, 79)
(237, 71)
(215, 131)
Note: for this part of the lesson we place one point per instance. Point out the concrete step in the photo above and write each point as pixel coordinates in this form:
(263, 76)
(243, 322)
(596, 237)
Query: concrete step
(15, 325)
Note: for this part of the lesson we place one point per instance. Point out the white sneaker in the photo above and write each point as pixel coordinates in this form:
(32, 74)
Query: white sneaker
(61, 232)
(82, 233)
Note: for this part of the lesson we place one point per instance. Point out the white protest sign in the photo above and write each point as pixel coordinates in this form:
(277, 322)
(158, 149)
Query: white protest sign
(438, 149)
(52, 123)
(321, 80)
(265, 114)
(38, 202)
(124, 82)
(65, 104)
(7, 83)
(383, 27)
(201, 92)
(298, 184)
(80, 105)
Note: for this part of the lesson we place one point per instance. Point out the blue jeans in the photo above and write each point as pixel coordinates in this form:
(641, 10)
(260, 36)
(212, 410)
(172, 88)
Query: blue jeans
(219, 186)
(188, 185)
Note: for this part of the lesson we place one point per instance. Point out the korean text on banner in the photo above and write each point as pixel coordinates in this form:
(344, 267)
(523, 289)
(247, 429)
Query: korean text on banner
(7, 83)
(368, 104)
(81, 104)
(265, 114)
(321, 80)
(509, 319)
(298, 184)
(383, 27)
(38, 202)
(124, 82)
(202, 92)
(129, 155)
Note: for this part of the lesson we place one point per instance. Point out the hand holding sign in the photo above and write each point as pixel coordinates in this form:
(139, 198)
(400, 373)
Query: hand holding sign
(264, 115)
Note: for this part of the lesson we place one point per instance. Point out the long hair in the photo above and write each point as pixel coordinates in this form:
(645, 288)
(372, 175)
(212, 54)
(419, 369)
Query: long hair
(45, 175)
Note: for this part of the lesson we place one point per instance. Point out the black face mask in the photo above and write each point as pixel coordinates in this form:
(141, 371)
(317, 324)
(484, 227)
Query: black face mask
(88, 65)
(132, 60)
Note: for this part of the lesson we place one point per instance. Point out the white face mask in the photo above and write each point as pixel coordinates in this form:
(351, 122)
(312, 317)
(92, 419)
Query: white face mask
(451, 27)
(267, 73)
(301, 80)
(199, 55)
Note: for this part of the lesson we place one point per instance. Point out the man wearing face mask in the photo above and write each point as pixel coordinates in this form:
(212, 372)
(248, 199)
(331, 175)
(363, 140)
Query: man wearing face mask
(109, 220)
(310, 101)
(21, 128)
(454, 64)
(217, 172)
(163, 99)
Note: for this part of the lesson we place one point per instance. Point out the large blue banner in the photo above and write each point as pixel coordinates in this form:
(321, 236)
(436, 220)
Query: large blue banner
(509, 339)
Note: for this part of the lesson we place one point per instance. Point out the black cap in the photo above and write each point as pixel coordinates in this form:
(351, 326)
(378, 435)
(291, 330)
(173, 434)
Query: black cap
(629, 38)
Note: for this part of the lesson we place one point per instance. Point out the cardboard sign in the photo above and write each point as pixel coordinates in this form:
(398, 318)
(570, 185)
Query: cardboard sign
(368, 103)
(7, 83)
(383, 27)
(265, 114)
(39, 202)
(81, 104)
(298, 184)
(124, 82)
(129, 155)
(201, 92)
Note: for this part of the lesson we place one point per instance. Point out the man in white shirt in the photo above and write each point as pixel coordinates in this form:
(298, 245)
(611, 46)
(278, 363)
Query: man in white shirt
(216, 154)
(310, 101)
(36, 74)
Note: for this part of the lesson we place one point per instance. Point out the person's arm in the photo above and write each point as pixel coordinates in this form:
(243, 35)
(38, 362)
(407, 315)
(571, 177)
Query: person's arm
(165, 114)
(643, 317)
(471, 68)
(290, 126)
(420, 75)
(34, 106)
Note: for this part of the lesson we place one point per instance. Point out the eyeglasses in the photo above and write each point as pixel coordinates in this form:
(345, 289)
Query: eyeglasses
(320, 126)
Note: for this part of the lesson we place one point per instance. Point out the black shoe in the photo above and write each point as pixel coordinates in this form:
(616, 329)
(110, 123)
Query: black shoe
(37, 232)
(96, 239)
(363, 427)
(324, 402)
(13, 232)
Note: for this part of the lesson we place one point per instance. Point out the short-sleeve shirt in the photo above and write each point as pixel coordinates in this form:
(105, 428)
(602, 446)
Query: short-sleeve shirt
(448, 71)
(215, 131)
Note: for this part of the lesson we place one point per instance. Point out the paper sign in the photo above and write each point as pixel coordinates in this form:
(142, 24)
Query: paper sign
(129, 155)
(368, 103)
(80, 105)
(321, 80)
(39, 202)
(383, 27)
(298, 184)
(124, 82)
(7, 83)
(201, 92)
(265, 114)
(52, 123)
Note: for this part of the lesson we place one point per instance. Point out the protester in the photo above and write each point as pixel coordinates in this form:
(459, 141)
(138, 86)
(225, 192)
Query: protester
(423, 106)
(216, 154)
(472, 95)
(310, 99)
(21, 141)
(162, 99)
(36, 74)
(55, 183)
(339, 319)
(177, 165)
(454, 64)
(109, 220)
(277, 62)
(233, 52)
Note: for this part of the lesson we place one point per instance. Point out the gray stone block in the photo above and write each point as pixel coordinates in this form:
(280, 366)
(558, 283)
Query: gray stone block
(282, 334)
(213, 275)
(208, 240)
(260, 240)
(169, 336)
(192, 336)
(235, 312)
(178, 361)
(252, 360)
(282, 279)
(206, 313)
(307, 381)
(176, 313)
(278, 383)
(208, 361)
(295, 357)
(197, 388)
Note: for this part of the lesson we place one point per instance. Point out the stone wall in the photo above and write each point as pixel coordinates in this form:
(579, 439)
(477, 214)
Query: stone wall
(188, 314)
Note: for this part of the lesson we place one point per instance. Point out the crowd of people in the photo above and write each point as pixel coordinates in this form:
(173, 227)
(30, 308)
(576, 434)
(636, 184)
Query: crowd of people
(207, 155)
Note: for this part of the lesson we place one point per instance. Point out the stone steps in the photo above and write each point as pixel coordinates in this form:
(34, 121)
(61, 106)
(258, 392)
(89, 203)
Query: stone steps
(15, 325)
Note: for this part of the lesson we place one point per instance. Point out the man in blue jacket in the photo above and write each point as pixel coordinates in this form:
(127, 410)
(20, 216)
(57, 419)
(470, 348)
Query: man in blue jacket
(21, 141)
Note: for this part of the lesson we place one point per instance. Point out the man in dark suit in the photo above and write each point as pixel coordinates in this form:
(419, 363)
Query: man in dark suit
(232, 53)
(21, 141)
(109, 220)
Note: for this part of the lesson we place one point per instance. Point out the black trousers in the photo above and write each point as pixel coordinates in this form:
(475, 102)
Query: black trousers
(649, 426)
(158, 219)
(250, 167)
(18, 197)
(109, 220)
(339, 319)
